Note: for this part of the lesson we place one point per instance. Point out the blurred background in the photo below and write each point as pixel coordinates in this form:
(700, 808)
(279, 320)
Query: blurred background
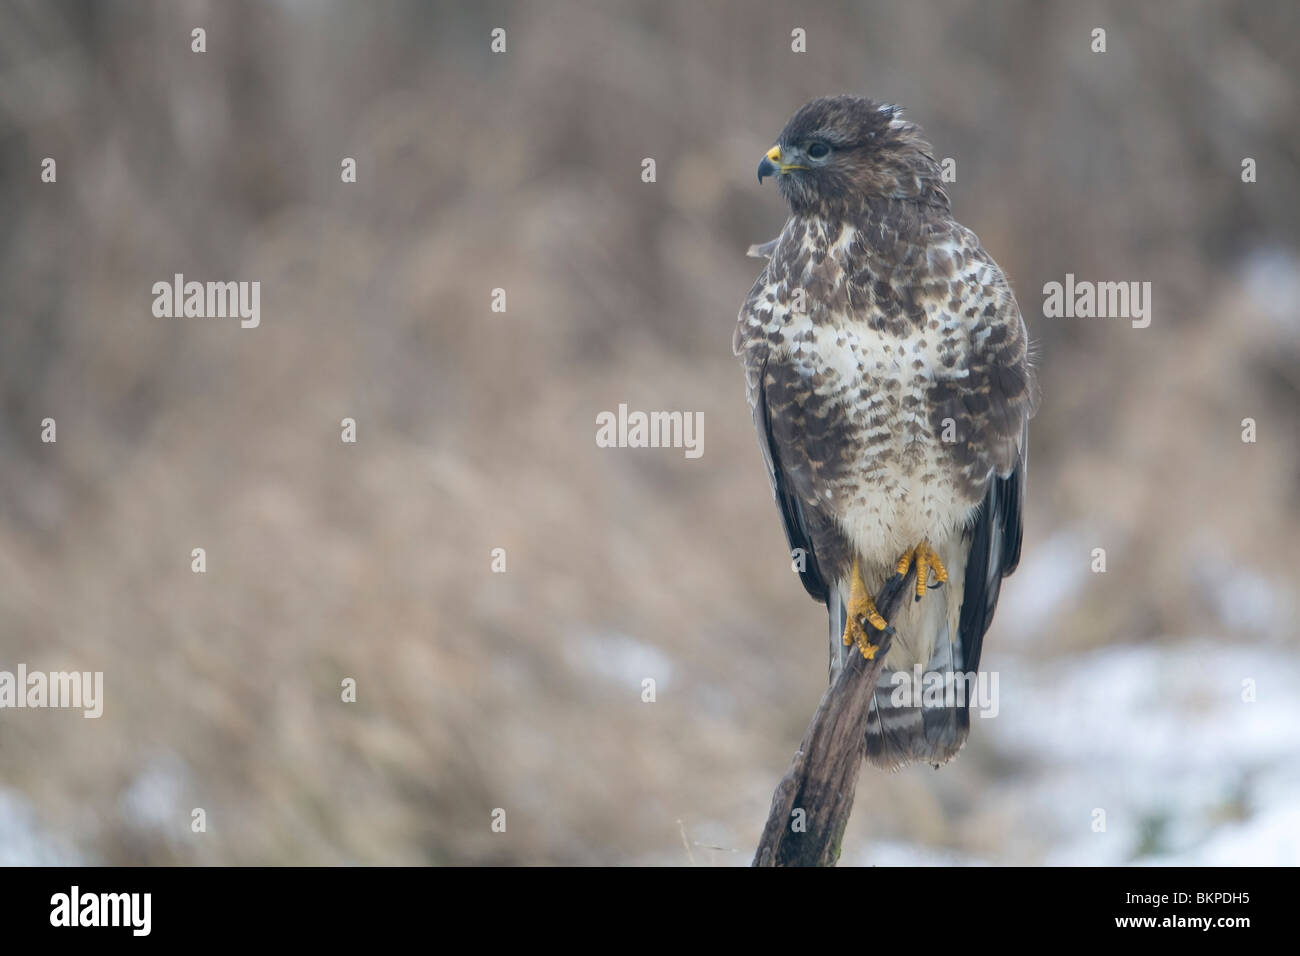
(1120, 691)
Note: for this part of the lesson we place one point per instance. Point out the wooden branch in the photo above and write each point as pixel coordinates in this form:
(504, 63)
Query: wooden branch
(823, 776)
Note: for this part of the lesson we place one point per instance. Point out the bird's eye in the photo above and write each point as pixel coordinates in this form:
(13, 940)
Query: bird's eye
(819, 151)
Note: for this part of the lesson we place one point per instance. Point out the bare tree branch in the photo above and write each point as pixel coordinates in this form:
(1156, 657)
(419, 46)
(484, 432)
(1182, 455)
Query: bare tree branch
(823, 776)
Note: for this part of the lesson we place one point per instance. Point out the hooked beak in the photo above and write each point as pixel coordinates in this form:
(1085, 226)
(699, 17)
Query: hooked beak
(771, 164)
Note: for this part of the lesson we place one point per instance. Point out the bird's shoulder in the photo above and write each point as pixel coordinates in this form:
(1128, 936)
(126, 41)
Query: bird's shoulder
(799, 286)
(894, 271)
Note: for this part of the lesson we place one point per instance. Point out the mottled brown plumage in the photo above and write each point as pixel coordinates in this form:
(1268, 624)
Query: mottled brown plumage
(887, 367)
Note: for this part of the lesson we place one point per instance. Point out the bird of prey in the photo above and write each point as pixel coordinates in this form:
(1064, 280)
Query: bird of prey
(886, 365)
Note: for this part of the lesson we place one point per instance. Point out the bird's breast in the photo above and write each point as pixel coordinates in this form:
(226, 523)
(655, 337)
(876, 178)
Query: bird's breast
(897, 482)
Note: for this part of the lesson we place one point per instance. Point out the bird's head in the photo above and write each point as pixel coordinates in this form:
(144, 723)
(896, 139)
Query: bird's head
(838, 152)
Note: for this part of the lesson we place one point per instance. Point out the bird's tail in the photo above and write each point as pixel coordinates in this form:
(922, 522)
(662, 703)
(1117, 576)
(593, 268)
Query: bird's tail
(898, 735)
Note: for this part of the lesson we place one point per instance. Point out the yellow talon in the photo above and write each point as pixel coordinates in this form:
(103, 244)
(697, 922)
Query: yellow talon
(861, 605)
(927, 560)
(936, 565)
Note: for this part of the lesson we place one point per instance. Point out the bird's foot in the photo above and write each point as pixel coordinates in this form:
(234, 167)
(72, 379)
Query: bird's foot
(862, 612)
(856, 634)
(927, 560)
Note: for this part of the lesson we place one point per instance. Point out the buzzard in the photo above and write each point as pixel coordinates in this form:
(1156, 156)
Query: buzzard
(886, 365)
